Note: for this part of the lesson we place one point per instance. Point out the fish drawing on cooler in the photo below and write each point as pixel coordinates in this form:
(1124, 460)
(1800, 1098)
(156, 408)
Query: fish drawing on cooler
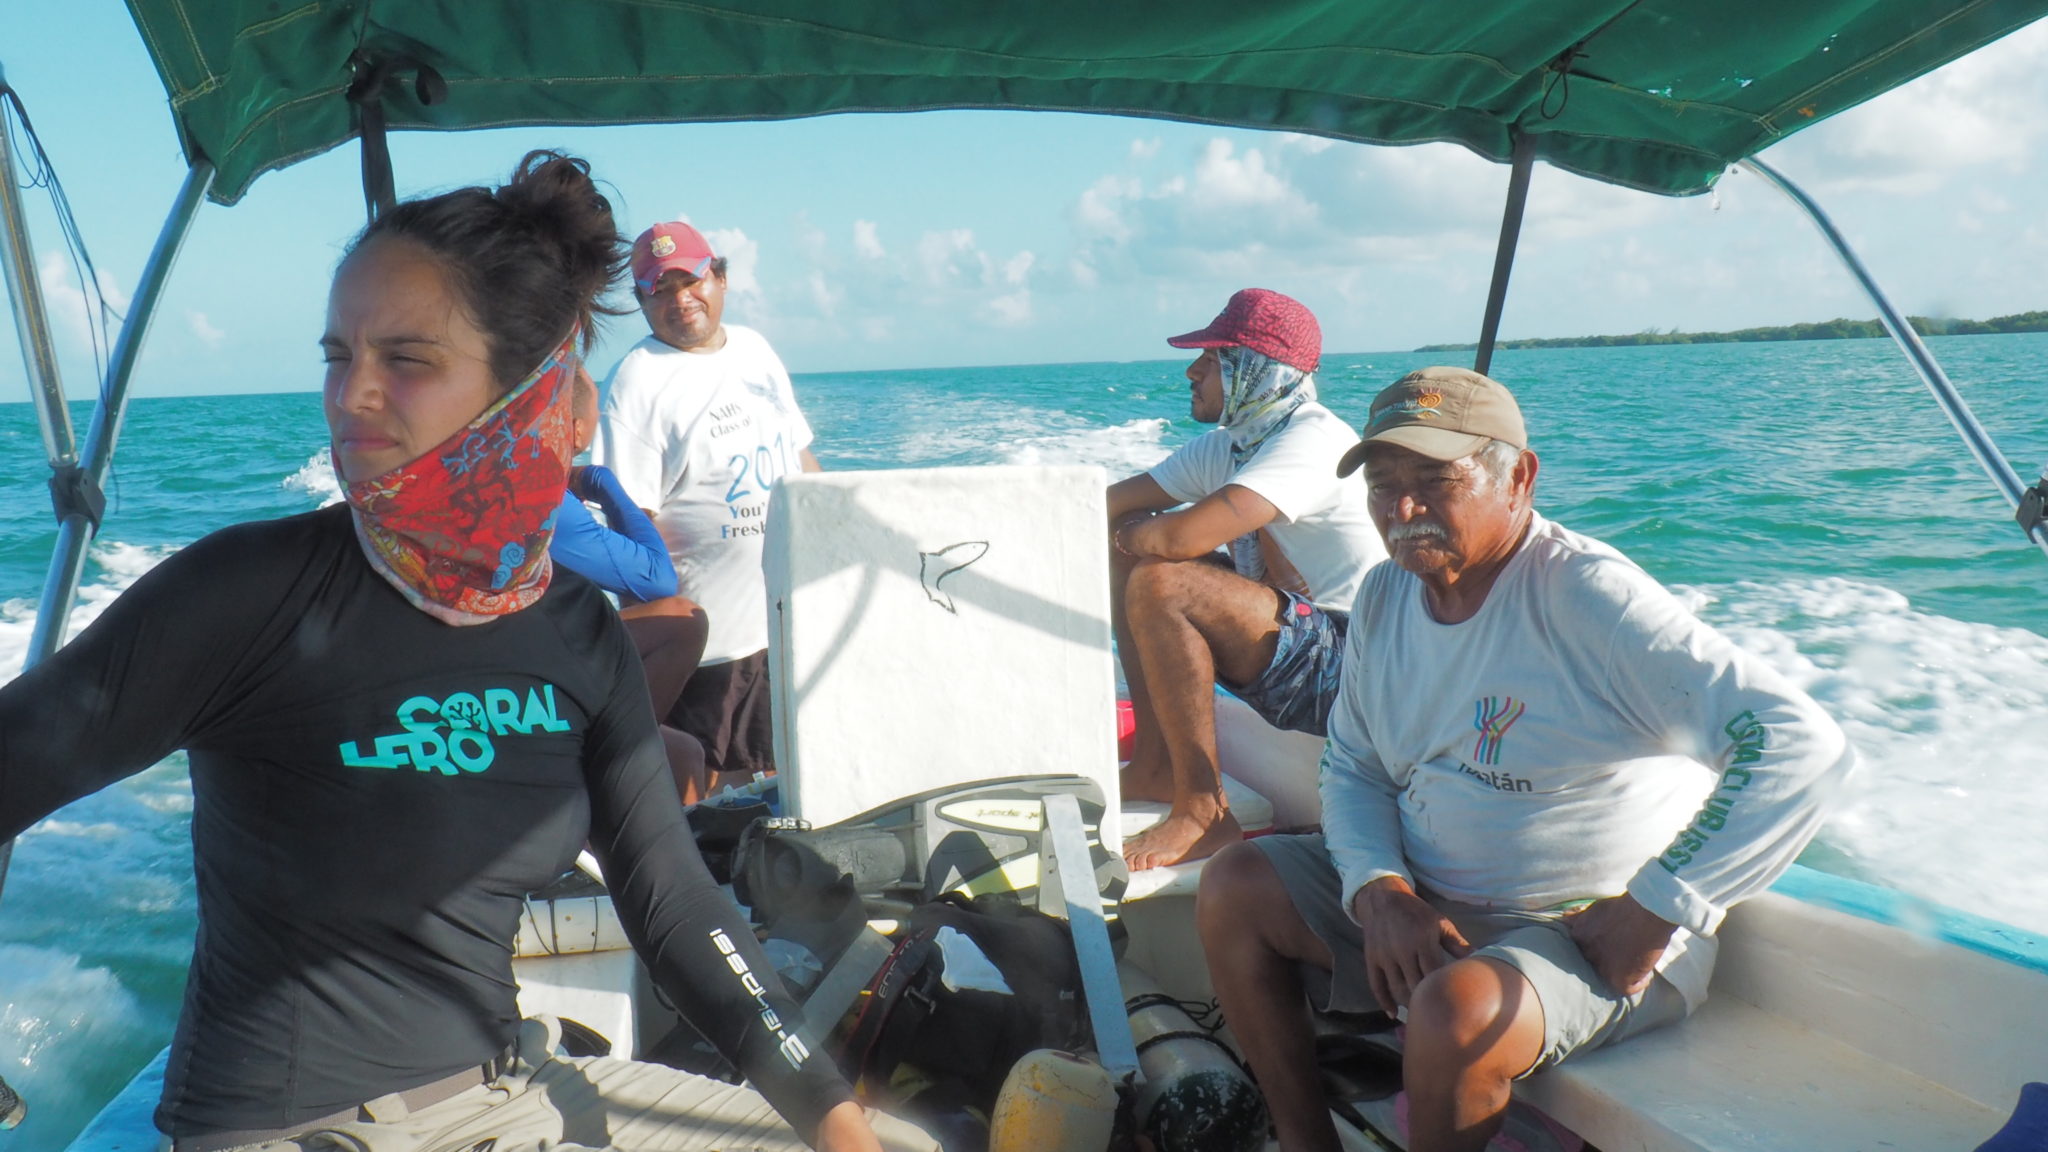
(933, 568)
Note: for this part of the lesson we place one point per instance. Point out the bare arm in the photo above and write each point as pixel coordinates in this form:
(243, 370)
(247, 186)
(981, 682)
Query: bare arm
(1136, 494)
(1280, 571)
(810, 462)
(1623, 939)
(1201, 528)
(845, 1129)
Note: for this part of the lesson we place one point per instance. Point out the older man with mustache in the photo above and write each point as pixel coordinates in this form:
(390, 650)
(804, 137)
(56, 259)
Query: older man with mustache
(1545, 784)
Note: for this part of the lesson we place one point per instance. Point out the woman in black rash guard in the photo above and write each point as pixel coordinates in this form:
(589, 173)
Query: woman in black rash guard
(400, 720)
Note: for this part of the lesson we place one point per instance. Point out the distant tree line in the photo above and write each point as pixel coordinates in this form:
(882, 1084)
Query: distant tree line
(1837, 329)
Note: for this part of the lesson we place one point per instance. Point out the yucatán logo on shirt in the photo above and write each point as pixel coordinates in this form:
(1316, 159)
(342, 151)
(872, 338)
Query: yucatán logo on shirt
(1493, 717)
(453, 735)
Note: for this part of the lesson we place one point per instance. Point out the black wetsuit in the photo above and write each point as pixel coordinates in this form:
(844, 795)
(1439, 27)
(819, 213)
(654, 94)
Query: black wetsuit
(375, 793)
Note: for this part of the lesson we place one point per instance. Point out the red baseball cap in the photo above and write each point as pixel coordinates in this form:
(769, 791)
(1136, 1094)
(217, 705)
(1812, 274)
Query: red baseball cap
(1258, 319)
(670, 245)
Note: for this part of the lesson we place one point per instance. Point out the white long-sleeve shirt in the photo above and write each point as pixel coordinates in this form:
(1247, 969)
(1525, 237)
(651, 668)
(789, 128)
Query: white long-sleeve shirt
(1582, 735)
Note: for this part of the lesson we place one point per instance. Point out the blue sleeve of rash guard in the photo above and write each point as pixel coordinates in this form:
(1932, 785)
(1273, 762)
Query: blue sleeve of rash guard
(628, 558)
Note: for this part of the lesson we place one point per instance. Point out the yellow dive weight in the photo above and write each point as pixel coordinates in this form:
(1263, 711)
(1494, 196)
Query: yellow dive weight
(1053, 1102)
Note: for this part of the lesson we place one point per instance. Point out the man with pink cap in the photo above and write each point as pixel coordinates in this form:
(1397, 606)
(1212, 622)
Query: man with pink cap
(1268, 622)
(699, 422)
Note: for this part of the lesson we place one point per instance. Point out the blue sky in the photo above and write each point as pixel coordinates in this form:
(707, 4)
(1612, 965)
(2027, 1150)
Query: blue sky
(867, 242)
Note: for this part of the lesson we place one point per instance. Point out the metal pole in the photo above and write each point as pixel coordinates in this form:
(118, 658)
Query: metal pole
(31, 321)
(1504, 256)
(74, 533)
(1974, 436)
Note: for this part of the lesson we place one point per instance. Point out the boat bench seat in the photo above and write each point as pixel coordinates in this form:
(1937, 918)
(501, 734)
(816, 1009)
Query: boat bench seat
(1823, 1032)
(1737, 1077)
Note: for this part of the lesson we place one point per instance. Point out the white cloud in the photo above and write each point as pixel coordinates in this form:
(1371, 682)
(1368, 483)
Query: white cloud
(949, 258)
(1012, 310)
(804, 294)
(1309, 144)
(1563, 206)
(1284, 211)
(1392, 246)
(1099, 213)
(203, 328)
(743, 263)
(825, 295)
(1145, 149)
(1232, 181)
(866, 243)
(1983, 110)
(66, 303)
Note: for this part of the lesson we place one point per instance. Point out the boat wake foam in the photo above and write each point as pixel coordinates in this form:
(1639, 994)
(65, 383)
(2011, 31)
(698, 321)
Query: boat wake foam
(120, 565)
(1949, 716)
(69, 1034)
(316, 479)
(1120, 449)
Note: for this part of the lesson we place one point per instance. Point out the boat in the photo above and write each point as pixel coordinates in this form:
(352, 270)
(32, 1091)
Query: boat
(1843, 1016)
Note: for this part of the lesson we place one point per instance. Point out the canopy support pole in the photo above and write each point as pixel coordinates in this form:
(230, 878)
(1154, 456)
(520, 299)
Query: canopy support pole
(76, 528)
(1504, 256)
(75, 532)
(31, 319)
(2016, 493)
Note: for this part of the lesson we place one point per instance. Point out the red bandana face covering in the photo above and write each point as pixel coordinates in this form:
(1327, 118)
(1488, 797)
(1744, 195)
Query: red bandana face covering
(463, 531)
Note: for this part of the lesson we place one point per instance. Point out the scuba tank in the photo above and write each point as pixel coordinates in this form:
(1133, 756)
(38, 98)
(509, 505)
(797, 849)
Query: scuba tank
(1054, 1102)
(1193, 1095)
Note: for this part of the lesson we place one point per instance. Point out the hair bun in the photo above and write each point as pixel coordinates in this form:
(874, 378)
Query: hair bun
(531, 259)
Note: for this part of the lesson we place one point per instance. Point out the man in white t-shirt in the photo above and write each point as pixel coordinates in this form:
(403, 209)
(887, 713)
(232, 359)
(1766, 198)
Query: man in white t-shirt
(1545, 784)
(699, 423)
(1268, 623)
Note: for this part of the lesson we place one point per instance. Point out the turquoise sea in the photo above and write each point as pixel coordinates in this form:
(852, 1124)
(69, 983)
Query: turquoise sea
(1807, 498)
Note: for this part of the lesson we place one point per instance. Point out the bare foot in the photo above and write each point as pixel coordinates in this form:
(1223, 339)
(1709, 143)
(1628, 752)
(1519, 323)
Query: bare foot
(1181, 837)
(1144, 779)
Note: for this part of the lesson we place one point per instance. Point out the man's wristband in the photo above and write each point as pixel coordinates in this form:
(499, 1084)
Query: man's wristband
(1116, 538)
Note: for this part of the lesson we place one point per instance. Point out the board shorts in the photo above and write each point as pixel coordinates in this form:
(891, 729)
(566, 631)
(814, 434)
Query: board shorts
(564, 1104)
(1299, 684)
(726, 707)
(1580, 1012)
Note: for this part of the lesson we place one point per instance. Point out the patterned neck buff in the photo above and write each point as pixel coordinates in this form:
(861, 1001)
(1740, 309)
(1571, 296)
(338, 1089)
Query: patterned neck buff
(462, 532)
(1260, 394)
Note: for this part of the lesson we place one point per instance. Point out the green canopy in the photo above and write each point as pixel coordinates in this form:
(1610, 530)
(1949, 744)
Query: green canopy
(1654, 94)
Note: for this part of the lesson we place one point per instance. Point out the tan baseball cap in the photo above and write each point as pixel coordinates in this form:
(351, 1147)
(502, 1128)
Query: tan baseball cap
(1443, 413)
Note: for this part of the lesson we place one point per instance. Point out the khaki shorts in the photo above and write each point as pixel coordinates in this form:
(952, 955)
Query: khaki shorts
(1579, 1010)
(556, 1104)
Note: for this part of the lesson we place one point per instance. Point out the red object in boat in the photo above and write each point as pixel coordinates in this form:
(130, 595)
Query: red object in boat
(1126, 728)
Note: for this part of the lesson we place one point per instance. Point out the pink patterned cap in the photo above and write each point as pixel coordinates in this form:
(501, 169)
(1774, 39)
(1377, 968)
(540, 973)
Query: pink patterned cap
(1263, 321)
